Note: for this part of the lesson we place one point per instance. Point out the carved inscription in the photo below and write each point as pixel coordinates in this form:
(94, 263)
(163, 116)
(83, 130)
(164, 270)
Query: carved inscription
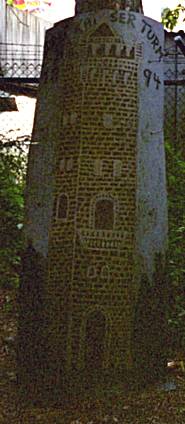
(123, 17)
(151, 76)
(152, 38)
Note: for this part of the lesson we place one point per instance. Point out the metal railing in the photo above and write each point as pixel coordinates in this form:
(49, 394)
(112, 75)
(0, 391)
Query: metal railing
(20, 62)
(174, 111)
(20, 69)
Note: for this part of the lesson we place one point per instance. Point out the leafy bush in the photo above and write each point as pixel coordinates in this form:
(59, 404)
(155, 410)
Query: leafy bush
(12, 177)
(176, 256)
(170, 17)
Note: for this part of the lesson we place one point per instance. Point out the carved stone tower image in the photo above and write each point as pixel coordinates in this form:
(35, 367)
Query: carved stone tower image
(96, 191)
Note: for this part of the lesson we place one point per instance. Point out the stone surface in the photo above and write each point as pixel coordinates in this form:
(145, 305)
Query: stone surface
(96, 196)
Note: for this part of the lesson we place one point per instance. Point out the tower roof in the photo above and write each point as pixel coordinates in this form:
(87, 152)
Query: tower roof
(83, 6)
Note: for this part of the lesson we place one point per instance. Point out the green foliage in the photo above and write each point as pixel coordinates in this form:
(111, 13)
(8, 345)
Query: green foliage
(170, 17)
(12, 178)
(176, 260)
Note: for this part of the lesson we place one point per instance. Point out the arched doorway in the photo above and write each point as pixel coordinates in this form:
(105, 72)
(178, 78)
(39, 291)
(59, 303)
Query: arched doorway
(95, 341)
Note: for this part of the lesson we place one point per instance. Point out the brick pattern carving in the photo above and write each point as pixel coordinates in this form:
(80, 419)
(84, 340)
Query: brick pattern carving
(94, 265)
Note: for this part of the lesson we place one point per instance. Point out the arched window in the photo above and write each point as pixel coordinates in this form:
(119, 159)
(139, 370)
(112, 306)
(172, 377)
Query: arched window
(91, 272)
(105, 272)
(62, 206)
(104, 214)
(98, 166)
(107, 120)
(117, 168)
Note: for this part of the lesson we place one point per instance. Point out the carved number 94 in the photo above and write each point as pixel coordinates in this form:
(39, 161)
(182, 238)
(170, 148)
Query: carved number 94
(151, 76)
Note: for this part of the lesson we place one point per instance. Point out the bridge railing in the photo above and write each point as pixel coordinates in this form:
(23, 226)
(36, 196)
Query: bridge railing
(20, 62)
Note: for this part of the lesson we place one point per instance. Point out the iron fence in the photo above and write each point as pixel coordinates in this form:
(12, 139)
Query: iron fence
(20, 62)
(174, 109)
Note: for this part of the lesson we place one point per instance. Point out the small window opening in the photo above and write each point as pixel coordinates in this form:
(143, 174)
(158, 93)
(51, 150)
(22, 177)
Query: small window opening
(104, 214)
(62, 206)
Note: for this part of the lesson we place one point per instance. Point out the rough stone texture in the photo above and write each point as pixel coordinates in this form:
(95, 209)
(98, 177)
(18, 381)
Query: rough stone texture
(95, 104)
(102, 217)
(40, 180)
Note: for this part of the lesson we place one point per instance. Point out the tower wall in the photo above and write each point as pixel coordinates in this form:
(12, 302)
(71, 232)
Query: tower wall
(106, 181)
